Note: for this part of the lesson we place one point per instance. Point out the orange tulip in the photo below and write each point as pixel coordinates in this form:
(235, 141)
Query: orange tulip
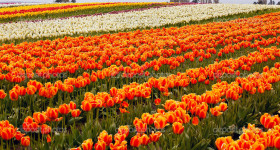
(223, 106)
(170, 116)
(119, 137)
(157, 101)
(86, 106)
(8, 133)
(25, 141)
(118, 145)
(100, 145)
(75, 113)
(277, 142)
(39, 118)
(154, 137)
(30, 90)
(19, 135)
(207, 82)
(123, 130)
(145, 139)
(45, 129)
(261, 89)
(52, 113)
(215, 111)
(195, 121)
(28, 119)
(257, 146)
(141, 127)
(135, 141)
(160, 122)
(148, 119)
(64, 109)
(78, 148)
(34, 126)
(13, 95)
(72, 105)
(123, 110)
(49, 139)
(87, 144)
(220, 142)
(186, 118)
(2, 94)
(103, 136)
(178, 128)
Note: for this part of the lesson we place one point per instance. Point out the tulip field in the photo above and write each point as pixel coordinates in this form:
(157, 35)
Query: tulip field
(148, 76)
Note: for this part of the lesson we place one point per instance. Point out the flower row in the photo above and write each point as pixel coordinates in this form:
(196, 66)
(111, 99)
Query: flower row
(176, 111)
(177, 114)
(17, 4)
(122, 21)
(34, 10)
(254, 138)
(135, 56)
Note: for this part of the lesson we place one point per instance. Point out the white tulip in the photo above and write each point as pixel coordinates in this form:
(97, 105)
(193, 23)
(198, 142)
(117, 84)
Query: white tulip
(154, 18)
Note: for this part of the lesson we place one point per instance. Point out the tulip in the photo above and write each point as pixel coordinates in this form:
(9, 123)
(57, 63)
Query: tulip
(72, 105)
(277, 142)
(39, 118)
(28, 119)
(31, 90)
(145, 139)
(25, 141)
(195, 121)
(87, 144)
(157, 101)
(75, 113)
(178, 128)
(223, 106)
(103, 136)
(123, 130)
(119, 137)
(135, 141)
(100, 145)
(154, 137)
(45, 129)
(19, 135)
(141, 127)
(118, 145)
(8, 133)
(160, 122)
(13, 95)
(78, 148)
(52, 113)
(64, 109)
(170, 116)
(2, 94)
(86, 106)
(49, 139)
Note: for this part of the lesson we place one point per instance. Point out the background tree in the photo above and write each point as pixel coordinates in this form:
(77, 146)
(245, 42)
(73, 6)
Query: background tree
(262, 1)
(61, 1)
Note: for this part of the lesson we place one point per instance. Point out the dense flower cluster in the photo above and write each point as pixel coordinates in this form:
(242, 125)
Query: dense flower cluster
(17, 4)
(122, 21)
(33, 10)
(254, 138)
(101, 80)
